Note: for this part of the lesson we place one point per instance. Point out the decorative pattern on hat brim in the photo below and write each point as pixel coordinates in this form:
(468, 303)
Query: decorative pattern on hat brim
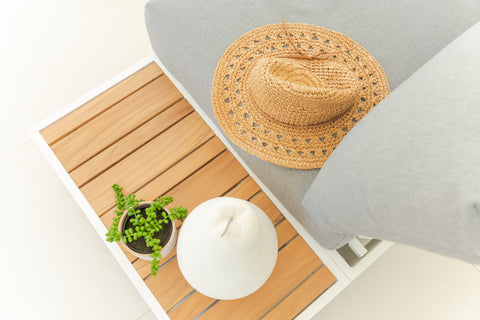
(293, 146)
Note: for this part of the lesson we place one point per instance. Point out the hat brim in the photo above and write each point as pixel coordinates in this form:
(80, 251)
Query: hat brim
(300, 147)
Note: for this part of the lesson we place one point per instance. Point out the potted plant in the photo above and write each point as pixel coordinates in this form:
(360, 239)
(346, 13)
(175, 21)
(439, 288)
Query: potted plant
(145, 228)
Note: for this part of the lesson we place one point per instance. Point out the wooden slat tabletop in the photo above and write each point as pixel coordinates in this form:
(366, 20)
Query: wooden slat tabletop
(143, 135)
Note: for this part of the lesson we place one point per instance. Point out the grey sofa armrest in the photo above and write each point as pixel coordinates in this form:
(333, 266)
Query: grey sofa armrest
(416, 174)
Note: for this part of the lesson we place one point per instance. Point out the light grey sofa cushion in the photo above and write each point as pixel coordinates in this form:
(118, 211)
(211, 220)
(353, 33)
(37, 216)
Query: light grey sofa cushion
(410, 170)
(190, 36)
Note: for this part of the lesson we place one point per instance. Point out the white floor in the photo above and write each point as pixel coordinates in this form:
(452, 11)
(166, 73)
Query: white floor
(54, 264)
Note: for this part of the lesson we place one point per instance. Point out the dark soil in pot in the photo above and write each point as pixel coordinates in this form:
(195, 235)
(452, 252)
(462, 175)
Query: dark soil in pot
(139, 245)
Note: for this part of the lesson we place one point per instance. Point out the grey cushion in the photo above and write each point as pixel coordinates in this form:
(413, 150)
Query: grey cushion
(190, 36)
(410, 170)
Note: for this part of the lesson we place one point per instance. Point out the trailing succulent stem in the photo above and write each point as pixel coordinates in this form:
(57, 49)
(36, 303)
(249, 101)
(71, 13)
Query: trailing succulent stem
(143, 226)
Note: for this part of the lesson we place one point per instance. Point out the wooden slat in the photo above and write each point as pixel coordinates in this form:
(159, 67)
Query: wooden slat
(220, 175)
(285, 277)
(113, 124)
(129, 143)
(169, 286)
(245, 189)
(285, 232)
(99, 104)
(148, 162)
(303, 295)
(143, 267)
(264, 203)
(191, 307)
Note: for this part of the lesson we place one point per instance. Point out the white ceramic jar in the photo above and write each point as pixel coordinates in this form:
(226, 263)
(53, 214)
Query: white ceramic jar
(227, 248)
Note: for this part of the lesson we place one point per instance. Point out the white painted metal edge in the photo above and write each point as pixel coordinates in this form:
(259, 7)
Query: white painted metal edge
(77, 194)
(92, 94)
(353, 272)
(357, 247)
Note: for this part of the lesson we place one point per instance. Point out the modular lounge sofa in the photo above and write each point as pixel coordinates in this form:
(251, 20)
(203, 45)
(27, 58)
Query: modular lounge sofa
(409, 172)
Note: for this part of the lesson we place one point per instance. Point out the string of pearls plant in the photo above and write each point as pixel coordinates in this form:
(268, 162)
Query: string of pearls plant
(144, 226)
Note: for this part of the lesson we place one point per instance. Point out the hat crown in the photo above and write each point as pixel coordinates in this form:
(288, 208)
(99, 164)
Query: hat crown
(302, 92)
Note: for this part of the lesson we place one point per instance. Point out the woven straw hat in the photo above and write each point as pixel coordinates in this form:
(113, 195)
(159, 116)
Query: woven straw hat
(289, 93)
